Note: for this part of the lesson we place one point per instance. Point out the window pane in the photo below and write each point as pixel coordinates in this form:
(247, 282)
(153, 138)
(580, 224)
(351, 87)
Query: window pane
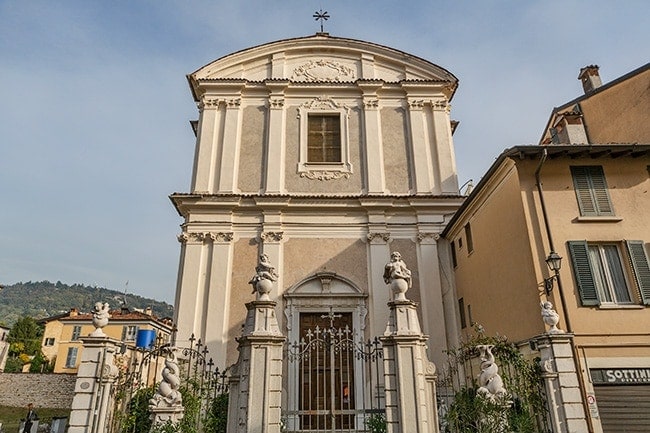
(324, 138)
(599, 274)
(616, 273)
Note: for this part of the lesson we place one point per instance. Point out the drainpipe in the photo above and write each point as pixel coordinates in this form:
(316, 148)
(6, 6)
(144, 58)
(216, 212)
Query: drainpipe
(567, 322)
(576, 362)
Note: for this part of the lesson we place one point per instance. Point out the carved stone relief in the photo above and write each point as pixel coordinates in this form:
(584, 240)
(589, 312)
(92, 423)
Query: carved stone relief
(323, 70)
(324, 175)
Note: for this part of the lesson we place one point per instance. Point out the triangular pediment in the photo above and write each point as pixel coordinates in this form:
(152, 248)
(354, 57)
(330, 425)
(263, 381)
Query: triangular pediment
(322, 59)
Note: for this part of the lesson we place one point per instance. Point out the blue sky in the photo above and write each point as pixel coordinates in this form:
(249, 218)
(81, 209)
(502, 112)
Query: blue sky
(94, 106)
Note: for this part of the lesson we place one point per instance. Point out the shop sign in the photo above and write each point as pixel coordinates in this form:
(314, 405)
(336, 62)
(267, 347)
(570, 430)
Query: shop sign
(618, 376)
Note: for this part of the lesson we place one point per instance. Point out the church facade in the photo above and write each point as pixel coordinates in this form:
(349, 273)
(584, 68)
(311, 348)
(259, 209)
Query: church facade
(323, 154)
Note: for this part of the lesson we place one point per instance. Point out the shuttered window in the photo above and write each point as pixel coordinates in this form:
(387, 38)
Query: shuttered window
(639, 262)
(71, 359)
(591, 190)
(76, 332)
(129, 332)
(601, 277)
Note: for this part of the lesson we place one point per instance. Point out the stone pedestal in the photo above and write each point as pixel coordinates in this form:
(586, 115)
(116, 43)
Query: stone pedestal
(91, 404)
(256, 378)
(565, 401)
(409, 375)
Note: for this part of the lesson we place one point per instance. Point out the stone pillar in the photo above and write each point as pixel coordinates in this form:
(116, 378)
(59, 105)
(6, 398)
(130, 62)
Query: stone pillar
(275, 139)
(92, 405)
(566, 407)
(256, 379)
(374, 176)
(409, 375)
(421, 158)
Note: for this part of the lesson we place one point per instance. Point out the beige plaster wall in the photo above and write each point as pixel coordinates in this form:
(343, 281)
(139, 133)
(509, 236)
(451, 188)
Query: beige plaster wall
(251, 150)
(629, 185)
(346, 257)
(396, 150)
(503, 294)
(619, 114)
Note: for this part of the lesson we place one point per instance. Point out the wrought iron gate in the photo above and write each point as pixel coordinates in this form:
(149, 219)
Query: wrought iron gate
(337, 379)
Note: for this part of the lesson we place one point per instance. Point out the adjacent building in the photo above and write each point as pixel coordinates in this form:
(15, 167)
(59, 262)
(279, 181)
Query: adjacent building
(581, 194)
(62, 335)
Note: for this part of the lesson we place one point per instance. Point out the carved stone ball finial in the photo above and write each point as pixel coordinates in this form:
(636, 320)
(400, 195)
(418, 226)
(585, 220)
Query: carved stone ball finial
(265, 276)
(398, 276)
(100, 318)
(550, 317)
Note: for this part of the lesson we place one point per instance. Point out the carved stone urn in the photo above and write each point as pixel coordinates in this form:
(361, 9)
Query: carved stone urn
(263, 288)
(399, 288)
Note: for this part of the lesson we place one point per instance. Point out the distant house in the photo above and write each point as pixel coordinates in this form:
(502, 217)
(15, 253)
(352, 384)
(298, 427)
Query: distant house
(63, 332)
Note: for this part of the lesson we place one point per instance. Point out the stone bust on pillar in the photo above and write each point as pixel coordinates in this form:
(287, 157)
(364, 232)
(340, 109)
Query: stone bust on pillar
(265, 276)
(398, 276)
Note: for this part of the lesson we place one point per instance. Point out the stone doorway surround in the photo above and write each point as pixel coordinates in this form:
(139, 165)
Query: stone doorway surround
(322, 292)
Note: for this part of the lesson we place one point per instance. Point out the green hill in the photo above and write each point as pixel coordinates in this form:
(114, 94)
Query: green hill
(42, 299)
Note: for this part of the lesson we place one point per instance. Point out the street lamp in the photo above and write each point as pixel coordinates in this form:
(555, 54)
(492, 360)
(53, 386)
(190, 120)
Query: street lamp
(554, 262)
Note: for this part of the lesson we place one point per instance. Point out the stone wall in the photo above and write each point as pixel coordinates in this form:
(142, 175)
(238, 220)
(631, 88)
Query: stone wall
(44, 390)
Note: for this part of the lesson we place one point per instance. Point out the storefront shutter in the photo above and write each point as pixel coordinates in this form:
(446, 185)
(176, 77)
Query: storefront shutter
(641, 267)
(583, 272)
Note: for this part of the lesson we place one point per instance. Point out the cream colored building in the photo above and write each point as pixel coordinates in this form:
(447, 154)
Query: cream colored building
(62, 334)
(589, 203)
(326, 154)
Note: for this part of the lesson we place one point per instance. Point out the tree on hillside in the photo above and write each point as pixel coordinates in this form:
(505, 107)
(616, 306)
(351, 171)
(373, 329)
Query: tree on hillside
(24, 344)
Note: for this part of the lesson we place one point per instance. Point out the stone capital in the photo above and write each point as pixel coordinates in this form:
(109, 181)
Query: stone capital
(428, 238)
(271, 237)
(378, 238)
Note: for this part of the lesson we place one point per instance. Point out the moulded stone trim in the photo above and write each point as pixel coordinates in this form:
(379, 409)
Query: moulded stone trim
(378, 238)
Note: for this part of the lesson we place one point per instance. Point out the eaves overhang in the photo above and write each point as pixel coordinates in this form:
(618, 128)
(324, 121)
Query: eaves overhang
(554, 151)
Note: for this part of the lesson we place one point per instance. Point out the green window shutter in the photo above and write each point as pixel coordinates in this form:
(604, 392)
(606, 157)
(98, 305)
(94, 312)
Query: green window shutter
(583, 272)
(583, 191)
(599, 190)
(641, 267)
(591, 190)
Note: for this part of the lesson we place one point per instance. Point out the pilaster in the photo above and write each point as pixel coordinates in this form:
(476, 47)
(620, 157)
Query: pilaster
(208, 146)
(421, 152)
(374, 179)
(444, 148)
(229, 166)
(378, 255)
(191, 286)
(431, 295)
(218, 287)
(275, 138)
